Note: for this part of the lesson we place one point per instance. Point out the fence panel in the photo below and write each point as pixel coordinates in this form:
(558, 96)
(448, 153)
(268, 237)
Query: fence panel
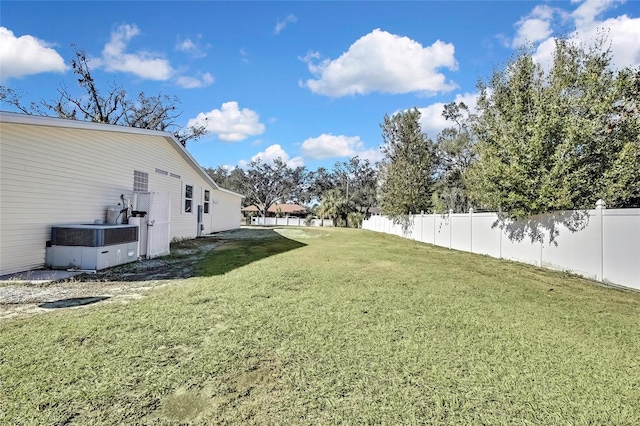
(417, 234)
(485, 237)
(428, 229)
(461, 232)
(605, 248)
(525, 250)
(575, 251)
(290, 221)
(621, 247)
(442, 230)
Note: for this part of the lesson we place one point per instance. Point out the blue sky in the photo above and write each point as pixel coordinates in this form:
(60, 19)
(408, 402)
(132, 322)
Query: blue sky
(307, 81)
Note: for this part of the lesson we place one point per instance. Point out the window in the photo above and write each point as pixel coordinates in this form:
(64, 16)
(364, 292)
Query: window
(207, 201)
(140, 181)
(188, 198)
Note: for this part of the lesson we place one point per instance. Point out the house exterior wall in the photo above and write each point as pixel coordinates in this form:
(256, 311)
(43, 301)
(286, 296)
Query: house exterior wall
(52, 175)
(226, 212)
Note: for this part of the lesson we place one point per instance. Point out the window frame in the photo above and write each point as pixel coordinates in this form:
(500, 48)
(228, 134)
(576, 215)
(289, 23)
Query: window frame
(206, 201)
(186, 199)
(142, 180)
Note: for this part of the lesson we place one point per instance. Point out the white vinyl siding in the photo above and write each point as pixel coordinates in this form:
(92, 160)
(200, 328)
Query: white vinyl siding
(54, 175)
(225, 211)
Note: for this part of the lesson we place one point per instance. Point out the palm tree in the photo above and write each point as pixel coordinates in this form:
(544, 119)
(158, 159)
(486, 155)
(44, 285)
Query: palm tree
(333, 206)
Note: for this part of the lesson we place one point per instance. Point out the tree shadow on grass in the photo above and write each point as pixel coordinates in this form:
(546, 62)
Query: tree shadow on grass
(206, 256)
(238, 253)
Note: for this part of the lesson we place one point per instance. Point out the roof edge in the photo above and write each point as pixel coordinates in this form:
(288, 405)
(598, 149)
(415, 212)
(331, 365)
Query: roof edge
(228, 191)
(40, 120)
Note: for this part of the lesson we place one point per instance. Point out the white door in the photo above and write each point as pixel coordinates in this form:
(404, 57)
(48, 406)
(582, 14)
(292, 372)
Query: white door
(159, 234)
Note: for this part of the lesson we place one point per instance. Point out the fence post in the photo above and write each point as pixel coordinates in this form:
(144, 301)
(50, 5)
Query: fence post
(471, 230)
(600, 206)
(434, 228)
(450, 227)
(500, 241)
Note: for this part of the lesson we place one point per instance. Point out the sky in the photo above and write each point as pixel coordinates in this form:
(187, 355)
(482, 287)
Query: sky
(309, 82)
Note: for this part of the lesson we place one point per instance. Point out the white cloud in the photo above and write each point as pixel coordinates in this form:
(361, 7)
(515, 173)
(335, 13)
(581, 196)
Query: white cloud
(589, 10)
(282, 24)
(531, 31)
(545, 12)
(330, 146)
(536, 26)
(270, 154)
(383, 62)
(148, 65)
(544, 53)
(373, 155)
(192, 48)
(186, 46)
(26, 55)
(244, 55)
(431, 120)
(191, 82)
(143, 64)
(229, 122)
(623, 32)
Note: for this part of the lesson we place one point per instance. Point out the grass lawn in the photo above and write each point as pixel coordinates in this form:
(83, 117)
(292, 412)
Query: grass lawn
(323, 326)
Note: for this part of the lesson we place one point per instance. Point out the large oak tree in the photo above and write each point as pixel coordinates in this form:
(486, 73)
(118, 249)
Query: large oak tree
(557, 139)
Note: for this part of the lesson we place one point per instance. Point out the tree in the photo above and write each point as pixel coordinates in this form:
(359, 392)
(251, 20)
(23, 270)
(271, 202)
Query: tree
(13, 98)
(454, 153)
(111, 106)
(357, 180)
(556, 140)
(408, 166)
(321, 181)
(233, 179)
(219, 174)
(268, 183)
(622, 179)
(334, 206)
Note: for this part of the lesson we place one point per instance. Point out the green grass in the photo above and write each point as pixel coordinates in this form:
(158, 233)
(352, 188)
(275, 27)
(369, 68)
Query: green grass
(334, 326)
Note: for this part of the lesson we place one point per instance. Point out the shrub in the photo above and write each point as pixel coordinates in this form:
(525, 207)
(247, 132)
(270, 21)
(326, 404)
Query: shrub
(354, 219)
(308, 221)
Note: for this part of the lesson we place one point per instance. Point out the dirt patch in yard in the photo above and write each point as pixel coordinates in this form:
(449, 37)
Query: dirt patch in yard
(119, 284)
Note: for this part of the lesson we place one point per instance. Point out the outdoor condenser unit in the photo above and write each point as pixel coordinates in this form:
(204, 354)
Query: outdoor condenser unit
(91, 246)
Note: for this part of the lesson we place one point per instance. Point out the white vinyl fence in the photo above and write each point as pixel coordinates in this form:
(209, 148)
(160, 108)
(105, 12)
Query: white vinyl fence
(601, 244)
(288, 221)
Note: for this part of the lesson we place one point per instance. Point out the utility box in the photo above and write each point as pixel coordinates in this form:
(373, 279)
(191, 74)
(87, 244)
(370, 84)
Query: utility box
(91, 258)
(91, 246)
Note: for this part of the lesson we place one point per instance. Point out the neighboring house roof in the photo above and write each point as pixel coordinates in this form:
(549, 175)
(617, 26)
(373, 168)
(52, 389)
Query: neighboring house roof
(284, 208)
(372, 210)
(37, 120)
